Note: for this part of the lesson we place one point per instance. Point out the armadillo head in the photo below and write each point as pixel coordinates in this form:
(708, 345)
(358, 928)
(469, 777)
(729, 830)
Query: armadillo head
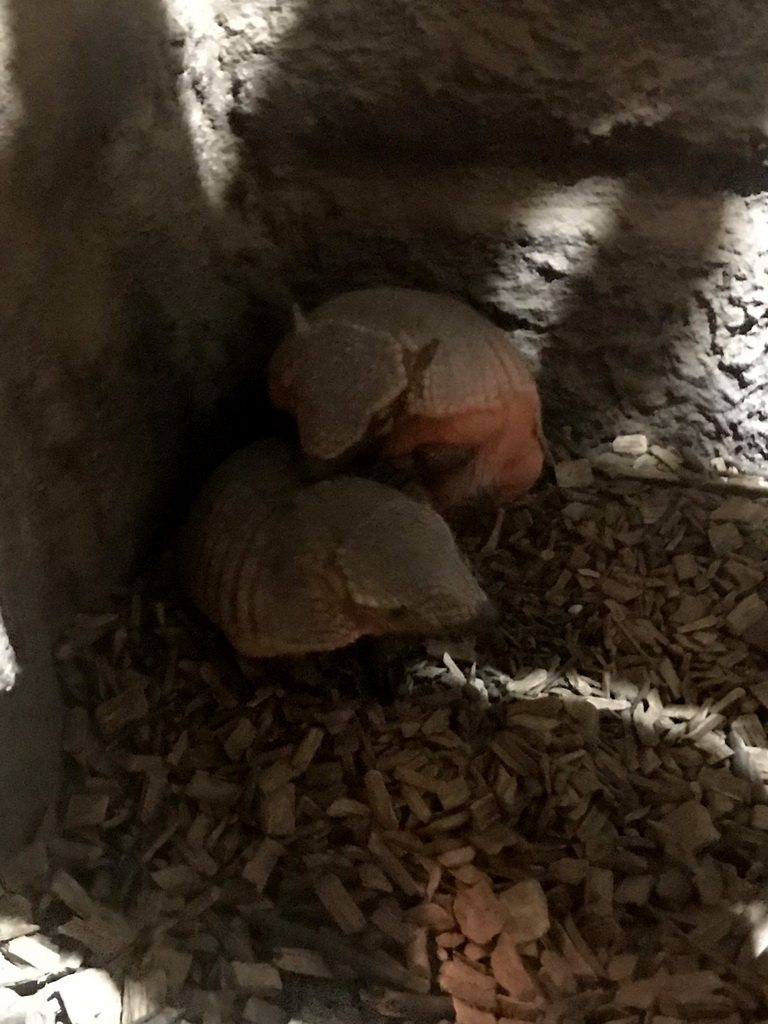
(337, 378)
(499, 450)
(510, 459)
(518, 461)
(401, 568)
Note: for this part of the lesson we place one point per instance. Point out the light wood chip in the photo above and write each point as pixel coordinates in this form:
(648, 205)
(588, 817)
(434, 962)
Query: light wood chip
(469, 984)
(90, 996)
(143, 997)
(478, 912)
(468, 1014)
(508, 969)
(630, 444)
(16, 917)
(524, 911)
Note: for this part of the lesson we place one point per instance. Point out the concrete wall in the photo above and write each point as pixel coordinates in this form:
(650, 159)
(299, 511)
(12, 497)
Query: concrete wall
(591, 175)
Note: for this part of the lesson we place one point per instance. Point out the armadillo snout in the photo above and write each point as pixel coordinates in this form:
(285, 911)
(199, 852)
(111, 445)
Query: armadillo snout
(476, 612)
(487, 615)
(461, 608)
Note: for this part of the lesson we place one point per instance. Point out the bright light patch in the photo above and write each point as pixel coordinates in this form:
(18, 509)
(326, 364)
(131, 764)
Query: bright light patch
(583, 219)
(587, 210)
(205, 27)
(756, 915)
(9, 667)
(12, 108)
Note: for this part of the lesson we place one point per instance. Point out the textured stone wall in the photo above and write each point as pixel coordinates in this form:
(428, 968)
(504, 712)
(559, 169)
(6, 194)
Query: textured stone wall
(115, 326)
(592, 175)
(589, 174)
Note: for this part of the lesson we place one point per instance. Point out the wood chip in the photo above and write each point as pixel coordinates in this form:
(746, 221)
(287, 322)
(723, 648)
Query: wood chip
(469, 984)
(143, 997)
(259, 868)
(42, 954)
(379, 800)
(258, 1011)
(554, 823)
(306, 751)
(508, 968)
(240, 739)
(295, 960)
(630, 444)
(747, 613)
(278, 811)
(576, 473)
(90, 997)
(15, 917)
(339, 904)
(525, 912)
(465, 1013)
(687, 829)
(256, 979)
(478, 912)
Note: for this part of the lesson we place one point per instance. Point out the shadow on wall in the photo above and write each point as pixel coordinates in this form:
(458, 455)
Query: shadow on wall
(115, 323)
(86, 258)
(350, 91)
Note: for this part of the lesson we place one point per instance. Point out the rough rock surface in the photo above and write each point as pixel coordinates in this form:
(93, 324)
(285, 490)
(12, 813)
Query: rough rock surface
(114, 322)
(591, 176)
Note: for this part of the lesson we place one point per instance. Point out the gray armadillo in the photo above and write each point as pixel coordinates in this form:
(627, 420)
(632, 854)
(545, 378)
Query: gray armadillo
(417, 374)
(288, 568)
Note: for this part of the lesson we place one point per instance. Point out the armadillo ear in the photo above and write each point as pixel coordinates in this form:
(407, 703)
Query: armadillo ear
(332, 416)
(300, 325)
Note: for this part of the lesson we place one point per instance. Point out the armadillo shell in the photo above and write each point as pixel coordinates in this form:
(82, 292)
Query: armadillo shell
(376, 352)
(228, 527)
(287, 569)
(474, 365)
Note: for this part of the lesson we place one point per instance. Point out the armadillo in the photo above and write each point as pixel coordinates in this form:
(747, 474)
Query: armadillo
(284, 567)
(415, 374)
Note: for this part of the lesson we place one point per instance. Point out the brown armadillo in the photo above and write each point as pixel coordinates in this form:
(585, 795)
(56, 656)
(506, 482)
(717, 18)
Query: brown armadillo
(287, 568)
(421, 375)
